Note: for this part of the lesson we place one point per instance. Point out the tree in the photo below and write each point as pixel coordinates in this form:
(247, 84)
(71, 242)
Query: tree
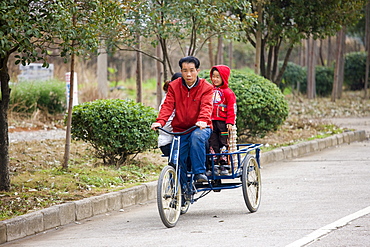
(88, 23)
(25, 28)
(189, 24)
(285, 23)
(30, 29)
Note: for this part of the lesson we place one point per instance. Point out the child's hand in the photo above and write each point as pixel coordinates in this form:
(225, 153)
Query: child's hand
(229, 127)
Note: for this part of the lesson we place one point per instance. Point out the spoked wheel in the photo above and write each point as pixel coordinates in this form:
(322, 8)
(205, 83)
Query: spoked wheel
(251, 183)
(169, 197)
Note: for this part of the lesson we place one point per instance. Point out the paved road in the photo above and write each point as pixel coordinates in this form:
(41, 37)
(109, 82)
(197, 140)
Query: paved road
(302, 199)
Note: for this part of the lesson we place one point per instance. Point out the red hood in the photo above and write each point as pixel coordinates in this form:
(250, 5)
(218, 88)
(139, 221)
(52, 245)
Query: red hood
(224, 73)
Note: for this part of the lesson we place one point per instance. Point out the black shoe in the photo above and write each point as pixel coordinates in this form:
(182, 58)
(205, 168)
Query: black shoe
(200, 178)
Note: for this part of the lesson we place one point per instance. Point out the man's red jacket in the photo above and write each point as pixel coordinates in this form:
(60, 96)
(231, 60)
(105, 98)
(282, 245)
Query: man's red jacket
(190, 105)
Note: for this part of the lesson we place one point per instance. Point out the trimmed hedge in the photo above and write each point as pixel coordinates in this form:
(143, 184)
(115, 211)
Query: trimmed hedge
(115, 128)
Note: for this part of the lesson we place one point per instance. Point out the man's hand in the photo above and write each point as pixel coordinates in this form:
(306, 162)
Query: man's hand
(201, 124)
(155, 126)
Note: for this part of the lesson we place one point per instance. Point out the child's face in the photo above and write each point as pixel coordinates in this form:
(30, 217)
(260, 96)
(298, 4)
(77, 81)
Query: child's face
(216, 78)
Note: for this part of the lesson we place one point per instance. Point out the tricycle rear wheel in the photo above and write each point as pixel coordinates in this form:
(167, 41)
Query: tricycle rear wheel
(251, 183)
(169, 196)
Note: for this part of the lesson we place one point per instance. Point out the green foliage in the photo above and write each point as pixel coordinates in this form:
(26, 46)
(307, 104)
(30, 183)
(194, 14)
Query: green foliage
(293, 76)
(261, 105)
(183, 19)
(48, 96)
(324, 80)
(190, 24)
(115, 128)
(288, 22)
(355, 70)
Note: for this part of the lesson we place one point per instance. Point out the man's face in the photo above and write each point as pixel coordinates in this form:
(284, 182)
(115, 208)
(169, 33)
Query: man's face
(189, 73)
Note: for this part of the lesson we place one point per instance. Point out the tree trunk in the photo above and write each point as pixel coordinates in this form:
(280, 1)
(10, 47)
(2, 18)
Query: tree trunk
(275, 62)
(70, 102)
(330, 53)
(311, 82)
(268, 74)
(341, 62)
(139, 93)
(219, 58)
(69, 116)
(231, 55)
(210, 53)
(303, 56)
(338, 65)
(257, 69)
(165, 60)
(279, 77)
(367, 46)
(102, 73)
(321, 56)
(159, 77)
(4, 138)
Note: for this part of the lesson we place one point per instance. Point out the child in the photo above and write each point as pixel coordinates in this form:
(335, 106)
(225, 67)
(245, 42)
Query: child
(224, 113)
(164, 139)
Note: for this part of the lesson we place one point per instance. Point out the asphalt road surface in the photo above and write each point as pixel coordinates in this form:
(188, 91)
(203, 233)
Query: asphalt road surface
(321, 199)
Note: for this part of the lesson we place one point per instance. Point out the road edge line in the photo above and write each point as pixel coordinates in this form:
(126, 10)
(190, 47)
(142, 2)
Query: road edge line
(315, 235)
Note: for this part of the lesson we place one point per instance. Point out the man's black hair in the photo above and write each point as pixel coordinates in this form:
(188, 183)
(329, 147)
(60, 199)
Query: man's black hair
(189, 59)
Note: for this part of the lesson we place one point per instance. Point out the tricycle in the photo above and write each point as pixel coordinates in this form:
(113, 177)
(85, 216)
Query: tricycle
(177, 189)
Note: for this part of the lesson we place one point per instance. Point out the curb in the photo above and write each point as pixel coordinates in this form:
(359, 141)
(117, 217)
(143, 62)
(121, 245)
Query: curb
(303, 148)
(66, 213)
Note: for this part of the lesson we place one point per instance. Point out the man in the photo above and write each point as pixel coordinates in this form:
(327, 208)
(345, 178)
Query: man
(192, 99)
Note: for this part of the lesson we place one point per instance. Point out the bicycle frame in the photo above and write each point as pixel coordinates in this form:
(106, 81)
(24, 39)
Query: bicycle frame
(184, 178)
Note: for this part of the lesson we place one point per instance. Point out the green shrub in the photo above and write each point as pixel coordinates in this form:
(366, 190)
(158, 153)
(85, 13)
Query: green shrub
(261, 105)
(294, 75)
(115, 128)
(354, 70)
(324, 77)
(324, 80)
(47, 96)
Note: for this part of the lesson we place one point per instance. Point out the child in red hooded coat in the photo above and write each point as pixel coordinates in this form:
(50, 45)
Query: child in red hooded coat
(223, 114)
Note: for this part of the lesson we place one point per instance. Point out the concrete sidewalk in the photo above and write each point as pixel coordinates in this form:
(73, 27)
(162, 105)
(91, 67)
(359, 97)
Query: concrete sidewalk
(59, 215)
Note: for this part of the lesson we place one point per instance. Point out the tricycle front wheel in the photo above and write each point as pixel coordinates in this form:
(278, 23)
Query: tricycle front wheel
(169, 196)
(251, 183)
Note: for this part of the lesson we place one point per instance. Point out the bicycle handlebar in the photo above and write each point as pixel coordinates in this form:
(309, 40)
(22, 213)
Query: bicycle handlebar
(179, 133)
